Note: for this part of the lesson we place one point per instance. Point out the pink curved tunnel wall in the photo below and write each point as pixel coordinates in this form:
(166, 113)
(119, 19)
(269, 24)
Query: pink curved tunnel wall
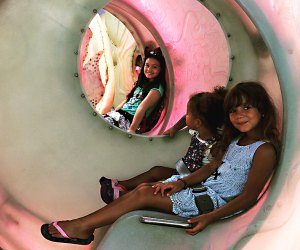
(197, 48)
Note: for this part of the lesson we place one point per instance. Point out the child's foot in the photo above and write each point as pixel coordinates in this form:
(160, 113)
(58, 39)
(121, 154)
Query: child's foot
(110, 189)
(67, 232)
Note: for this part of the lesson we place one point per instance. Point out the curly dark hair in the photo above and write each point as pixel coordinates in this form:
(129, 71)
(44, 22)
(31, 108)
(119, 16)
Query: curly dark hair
(208, 106)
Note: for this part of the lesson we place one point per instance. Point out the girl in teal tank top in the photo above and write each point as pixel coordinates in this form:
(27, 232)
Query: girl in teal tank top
(147, 94)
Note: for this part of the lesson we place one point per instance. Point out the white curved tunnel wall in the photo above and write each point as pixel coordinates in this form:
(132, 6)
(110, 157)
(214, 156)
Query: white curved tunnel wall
(53, 149)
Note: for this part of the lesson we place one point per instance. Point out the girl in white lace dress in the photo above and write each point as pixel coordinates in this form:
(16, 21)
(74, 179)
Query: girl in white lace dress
(233, 180)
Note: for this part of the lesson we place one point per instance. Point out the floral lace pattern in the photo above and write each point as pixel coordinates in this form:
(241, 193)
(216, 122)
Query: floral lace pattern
(229, 183)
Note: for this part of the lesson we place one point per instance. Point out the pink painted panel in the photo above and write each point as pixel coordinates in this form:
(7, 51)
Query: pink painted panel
(193, 41)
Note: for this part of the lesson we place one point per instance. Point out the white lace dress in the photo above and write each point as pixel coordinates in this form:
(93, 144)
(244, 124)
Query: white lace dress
(226, 184)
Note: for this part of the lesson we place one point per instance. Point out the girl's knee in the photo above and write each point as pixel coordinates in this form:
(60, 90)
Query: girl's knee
(142, 185)
(143, 190)
(155, 172)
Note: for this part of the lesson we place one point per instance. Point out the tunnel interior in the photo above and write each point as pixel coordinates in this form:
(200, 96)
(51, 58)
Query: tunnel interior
(55, 143)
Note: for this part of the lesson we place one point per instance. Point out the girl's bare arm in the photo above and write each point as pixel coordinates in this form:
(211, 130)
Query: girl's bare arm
(179, 125)
(120, 105)
(192, 179)
(150, 100)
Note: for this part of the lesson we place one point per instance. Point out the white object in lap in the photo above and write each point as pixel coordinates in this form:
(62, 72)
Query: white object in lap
(181, 168)
(114, 114)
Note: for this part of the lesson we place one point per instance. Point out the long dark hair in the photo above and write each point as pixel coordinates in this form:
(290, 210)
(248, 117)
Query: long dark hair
(160, 80)
(252, 93)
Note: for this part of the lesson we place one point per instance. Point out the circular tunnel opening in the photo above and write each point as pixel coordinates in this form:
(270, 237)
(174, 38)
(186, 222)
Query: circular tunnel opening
(111, 57)
(118, 34)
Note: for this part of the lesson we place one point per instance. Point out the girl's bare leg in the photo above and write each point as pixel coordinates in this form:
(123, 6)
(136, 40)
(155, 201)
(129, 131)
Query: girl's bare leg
(140, 198)
(154, 174)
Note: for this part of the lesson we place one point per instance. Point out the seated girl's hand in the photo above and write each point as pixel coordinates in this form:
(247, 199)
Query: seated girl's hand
(169, 187)
(200, 222)
(171, 132)
(157, 186)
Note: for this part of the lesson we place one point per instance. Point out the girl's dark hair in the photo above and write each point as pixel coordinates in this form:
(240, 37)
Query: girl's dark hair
(138, 60)
(142, 81)
(254, 94)
(208, 106)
